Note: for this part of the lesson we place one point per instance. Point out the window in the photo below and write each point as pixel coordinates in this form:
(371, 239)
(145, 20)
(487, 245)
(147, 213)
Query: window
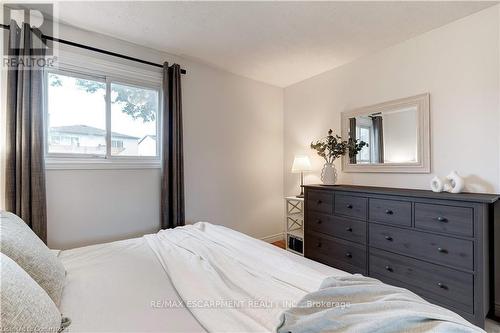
(133, 118)
(76, 112)
(363, 134)
(116, 144)
(83, 122)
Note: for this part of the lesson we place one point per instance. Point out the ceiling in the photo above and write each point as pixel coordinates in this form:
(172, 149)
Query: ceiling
(279, 43)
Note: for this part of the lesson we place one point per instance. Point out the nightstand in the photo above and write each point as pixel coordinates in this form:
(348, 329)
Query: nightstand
(294, 225)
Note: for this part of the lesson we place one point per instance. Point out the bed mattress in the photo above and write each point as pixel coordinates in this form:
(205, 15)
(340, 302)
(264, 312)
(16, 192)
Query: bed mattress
(122, 287)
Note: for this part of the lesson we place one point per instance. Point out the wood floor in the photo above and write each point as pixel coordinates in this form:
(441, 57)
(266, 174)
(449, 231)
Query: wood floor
(280, 243)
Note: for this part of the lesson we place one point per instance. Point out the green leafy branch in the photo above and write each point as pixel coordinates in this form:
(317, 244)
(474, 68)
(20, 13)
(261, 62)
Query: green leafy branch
(137, 103)
(332, 147)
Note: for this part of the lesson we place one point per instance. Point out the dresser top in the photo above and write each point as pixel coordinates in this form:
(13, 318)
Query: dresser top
(471, 197)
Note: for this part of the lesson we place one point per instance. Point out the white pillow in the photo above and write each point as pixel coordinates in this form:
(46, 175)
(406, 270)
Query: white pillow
(21, 244)
(26, 307)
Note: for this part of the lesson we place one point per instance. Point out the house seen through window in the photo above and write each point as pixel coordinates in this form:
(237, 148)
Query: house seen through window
(82, 121)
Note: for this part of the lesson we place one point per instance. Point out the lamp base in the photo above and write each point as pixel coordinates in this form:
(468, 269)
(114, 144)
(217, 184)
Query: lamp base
(301, 195)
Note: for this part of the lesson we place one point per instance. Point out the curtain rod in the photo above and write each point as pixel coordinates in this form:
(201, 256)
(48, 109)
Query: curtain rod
(95, 49)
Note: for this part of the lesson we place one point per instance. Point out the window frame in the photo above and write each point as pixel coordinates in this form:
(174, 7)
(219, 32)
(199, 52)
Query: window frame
(108, 75)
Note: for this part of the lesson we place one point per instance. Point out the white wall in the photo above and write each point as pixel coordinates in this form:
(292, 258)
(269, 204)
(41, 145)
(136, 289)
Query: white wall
(233, 144)
(458, 64)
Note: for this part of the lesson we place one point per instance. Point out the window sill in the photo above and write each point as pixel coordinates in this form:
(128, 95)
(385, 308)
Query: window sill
(78, 164)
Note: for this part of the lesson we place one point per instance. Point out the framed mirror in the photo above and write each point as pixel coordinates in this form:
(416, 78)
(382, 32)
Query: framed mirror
(397, 133)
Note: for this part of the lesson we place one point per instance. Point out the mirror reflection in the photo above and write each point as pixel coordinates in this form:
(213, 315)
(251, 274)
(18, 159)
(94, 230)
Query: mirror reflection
(392, 136)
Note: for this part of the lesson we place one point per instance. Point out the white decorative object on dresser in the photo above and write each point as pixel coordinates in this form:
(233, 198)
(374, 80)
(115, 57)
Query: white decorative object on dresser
(294, 225)
(437, 184)
(456, 184)
(453, 183)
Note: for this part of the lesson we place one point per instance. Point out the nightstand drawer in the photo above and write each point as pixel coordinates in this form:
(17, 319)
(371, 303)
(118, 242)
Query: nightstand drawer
(434, 248)
(320, 201)
(438, 281)
(390, 211)
(447, 219)
(338, 253)
(336, 226)
(351, 206)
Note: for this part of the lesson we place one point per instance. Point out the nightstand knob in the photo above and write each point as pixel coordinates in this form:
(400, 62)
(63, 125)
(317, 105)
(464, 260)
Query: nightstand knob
(319, 244)
(319, 202)
(389, 238)
(318, 221)
(348, 229)
(388, 268)
(389, 212)
(442, 219)
(349, 206)
(440, 249)
(348, 255)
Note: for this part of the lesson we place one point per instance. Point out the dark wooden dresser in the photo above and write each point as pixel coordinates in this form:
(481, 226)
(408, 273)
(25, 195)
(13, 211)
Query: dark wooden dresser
(438, 245)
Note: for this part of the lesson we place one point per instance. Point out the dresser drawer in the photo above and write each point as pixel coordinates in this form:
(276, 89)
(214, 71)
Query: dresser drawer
(338, 253)
(320, 201)
(438, 281)
(341, 227)
(454, 252)
(350, 205)
(447, 219)
(390, 211)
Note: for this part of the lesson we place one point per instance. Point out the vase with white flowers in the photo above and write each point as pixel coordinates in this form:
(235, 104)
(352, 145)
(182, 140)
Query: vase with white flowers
(331, 148)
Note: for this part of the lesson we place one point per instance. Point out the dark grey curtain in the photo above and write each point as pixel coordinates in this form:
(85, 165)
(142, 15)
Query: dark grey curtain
(352, 134)
(25, 173)
(378, 142)
(172, 183)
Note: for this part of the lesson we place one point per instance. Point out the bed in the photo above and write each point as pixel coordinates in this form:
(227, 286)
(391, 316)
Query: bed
(196, 278)
(122, 287)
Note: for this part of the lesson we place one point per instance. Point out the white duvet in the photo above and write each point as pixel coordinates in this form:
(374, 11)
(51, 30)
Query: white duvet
(229, 287)
(122, 286)
(214, 268)
(205, 277)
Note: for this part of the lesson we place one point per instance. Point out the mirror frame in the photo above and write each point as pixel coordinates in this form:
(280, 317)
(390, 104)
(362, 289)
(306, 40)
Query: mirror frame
(423, 165)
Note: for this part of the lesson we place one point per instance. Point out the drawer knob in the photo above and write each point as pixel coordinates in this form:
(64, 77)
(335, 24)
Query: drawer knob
(388, 268)
(442, 219)
(319, 244)
(389, 212)
(348, 255)
(442, 286)
(318, 221)
(348, 229)
(319, 202)
(349, 206)
(389, 238)
(440, 249)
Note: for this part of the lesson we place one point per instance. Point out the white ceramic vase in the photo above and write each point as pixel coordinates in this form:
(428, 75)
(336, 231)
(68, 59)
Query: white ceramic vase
(329, 174)
(453, 183)
(437, 184)
(456, 183)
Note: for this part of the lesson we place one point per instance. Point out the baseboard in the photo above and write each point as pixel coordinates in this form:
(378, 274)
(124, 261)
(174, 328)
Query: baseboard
(273, 238)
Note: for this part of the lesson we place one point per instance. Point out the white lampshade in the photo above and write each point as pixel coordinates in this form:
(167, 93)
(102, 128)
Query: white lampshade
(301, 163)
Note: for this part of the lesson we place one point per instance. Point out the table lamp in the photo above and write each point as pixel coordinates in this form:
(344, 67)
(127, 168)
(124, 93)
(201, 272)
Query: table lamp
(300, 165)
